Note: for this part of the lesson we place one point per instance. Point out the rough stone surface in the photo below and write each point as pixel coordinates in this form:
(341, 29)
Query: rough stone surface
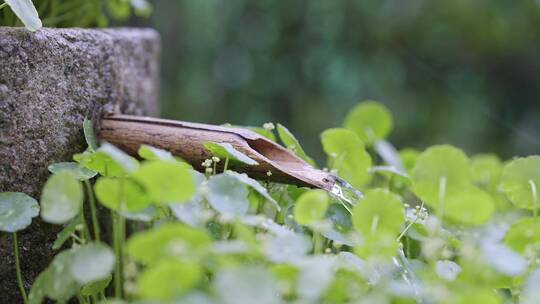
(49, 81)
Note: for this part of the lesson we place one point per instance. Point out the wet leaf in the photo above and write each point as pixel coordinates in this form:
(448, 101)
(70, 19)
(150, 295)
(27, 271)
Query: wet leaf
(226, 194)
(26, 12)
(347, 155)
(168, 279)
(61, 198)
(379, 212)
(291, 143)
(521, 182)
(166, 181)
(370, 120)
(311, 207)
(121, 194)
(92, 262)
(16, 211)
(81, 173)
(226, 150)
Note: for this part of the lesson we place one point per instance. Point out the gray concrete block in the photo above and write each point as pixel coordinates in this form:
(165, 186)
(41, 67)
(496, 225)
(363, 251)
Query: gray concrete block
(49, 81)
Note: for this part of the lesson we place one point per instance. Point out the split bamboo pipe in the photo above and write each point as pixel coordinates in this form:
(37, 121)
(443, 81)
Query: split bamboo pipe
(186, 140)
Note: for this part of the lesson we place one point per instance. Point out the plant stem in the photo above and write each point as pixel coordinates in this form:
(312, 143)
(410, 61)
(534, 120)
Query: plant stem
(226, 164)
(93, 212)
(534, 197)
(117, 244)
(18, 268)
(442, 196)
(318, 243)
(3, 5)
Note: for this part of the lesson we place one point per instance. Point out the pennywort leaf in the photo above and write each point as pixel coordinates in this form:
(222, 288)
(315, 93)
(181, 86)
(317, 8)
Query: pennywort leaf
(521, 182)
(227, 194)
(80, 172)
(311, 207)
(370, 120)
(92, 262)
(61, 198)
(165, 181)
(16, 211)
(347, 155)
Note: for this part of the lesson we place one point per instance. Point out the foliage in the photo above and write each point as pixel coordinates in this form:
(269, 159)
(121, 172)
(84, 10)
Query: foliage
(443, 228)
(72, 13)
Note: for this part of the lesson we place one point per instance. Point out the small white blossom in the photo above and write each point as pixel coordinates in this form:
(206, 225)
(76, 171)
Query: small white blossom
(207, 163)
(269, 126)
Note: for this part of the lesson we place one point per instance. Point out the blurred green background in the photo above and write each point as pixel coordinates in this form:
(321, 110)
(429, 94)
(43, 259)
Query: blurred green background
(461, 72)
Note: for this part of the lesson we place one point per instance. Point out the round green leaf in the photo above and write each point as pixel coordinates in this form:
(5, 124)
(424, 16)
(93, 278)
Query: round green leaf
(521, 182)
(59, 284)
(246, 285)
(168, 239)
(438, 171)
(227, 194)
(16, 211)
(168, 279)
(347, 155)
(469, 205)
(80, 172)
(371, 120)
(408, 158)
(92, 262)
(524, 232)
(379, 212)
(310, 207)
(166, 181)
(226, 150)
(120, 194)
(486, 171)
(61, 198)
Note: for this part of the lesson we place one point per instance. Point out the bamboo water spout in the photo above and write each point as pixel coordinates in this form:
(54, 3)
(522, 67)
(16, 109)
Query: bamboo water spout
(187, 139)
